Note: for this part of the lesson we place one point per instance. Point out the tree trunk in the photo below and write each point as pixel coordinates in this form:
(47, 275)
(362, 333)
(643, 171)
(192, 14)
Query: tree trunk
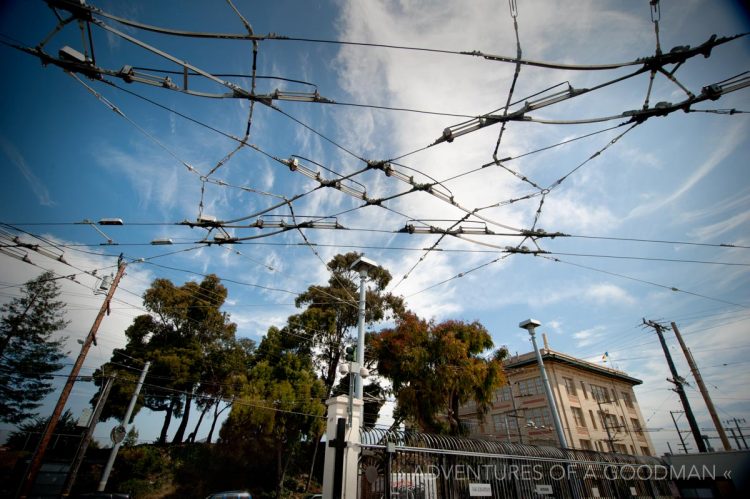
(184, 421)
(191, 437)
(281, 467)
(167, 420)
(213, 423)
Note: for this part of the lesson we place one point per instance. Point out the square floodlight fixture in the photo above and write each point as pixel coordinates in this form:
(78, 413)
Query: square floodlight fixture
(530, 324)
(207, 220)
(72, 55)
(111, 221)
(161, 242)
(362, 263)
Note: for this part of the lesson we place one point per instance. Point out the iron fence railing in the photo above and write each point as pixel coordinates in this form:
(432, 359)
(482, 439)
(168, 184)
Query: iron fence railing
(408, 465)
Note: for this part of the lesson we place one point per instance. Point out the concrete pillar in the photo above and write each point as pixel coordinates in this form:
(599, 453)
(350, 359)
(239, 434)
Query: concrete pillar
(338, 407)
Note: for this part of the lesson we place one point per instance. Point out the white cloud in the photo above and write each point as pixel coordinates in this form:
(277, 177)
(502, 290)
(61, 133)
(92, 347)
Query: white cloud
(588, 336)
(609, 294)
(37, 186)
(727, 145)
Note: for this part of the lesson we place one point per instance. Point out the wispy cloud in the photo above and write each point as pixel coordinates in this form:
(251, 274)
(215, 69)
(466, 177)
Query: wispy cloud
(588, 336)
(610, 294)
(728, 144)
(15, 157)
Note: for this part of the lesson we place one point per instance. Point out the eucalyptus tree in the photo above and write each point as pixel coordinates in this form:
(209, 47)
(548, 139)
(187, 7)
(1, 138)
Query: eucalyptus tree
(330, 314)
(179, 336)
(436, 368)
(278, 411)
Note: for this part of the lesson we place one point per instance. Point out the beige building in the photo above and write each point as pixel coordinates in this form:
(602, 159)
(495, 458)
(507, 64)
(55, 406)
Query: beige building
(597, 406)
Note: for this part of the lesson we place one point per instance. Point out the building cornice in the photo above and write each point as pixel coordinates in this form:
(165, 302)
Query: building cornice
(527, 359)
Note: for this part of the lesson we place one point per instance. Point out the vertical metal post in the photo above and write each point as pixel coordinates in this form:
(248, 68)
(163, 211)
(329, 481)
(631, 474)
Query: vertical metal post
(389, 451)
(360, 334)
(737, 424)
(515, 415)
(736, 440)
(530, 325)
(702, 388)
(81, 453)
(679, 433)
(338, 469)
(116, 446)
(610, 440)
(36, 460)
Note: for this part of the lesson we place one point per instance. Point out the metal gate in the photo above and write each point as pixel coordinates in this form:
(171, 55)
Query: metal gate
(409, 465)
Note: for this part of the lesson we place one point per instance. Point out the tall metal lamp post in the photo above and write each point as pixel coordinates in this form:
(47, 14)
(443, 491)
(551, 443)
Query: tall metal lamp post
(530, 325)
(362, 265)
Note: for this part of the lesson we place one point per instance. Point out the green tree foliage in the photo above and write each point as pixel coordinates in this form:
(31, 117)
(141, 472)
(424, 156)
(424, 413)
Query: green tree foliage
(185, 336)
(29, 352)
(279, 410)
(435, 368)
(331, 312)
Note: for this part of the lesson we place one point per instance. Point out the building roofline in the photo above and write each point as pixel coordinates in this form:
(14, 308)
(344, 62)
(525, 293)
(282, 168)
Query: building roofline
(550, 355)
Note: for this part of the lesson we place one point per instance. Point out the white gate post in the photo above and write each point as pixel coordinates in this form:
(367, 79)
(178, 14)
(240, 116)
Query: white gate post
(338, 407)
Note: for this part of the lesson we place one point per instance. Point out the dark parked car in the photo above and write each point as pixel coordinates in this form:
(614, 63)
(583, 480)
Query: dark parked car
(103, 495)
(231, 494)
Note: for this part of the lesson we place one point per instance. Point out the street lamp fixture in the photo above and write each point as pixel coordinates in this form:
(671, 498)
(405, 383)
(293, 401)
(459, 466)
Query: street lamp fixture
(361, 265)
(111, 221)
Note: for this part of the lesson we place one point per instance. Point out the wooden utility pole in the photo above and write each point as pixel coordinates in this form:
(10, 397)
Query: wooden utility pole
(36, 460)
(678, 382)
(702, 388)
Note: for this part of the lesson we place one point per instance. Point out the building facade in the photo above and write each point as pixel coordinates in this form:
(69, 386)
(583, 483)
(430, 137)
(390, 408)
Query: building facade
(597, 406)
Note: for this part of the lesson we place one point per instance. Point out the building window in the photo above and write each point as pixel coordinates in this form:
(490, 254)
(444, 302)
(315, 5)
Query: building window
(609, 421)
(531, 386)
(578, 417)
(583, 389)
(504, 394)
(585, 444)
(614, 395)
(539, 416)
(645, 451)
(570, 386)
(628, 400)
(593, 419)
(505, 424)
(600, 393)
(636, 426)
(621, 449)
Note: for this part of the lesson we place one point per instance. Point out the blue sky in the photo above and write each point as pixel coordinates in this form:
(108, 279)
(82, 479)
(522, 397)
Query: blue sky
(67, 157)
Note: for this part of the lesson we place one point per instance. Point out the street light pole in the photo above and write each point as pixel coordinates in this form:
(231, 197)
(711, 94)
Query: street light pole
(360, 334)
(125, 422)
(361, 265)
(530, 325)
